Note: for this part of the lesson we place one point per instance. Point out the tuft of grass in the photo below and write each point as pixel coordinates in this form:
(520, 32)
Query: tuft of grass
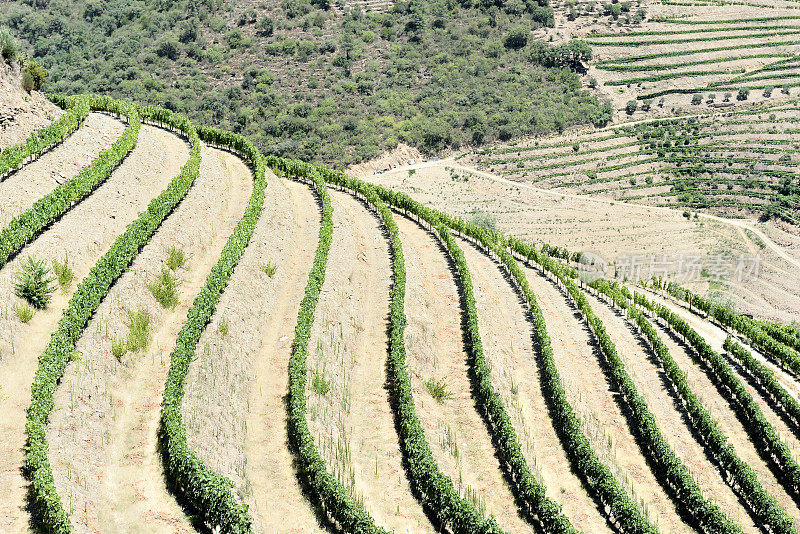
(63, 273)
(24, 312)
(223, 327)
(176, 258)
(319, 384)
(269, 268)
(438, 389)
(165, 288)
(118, 348)
(34, 283)
(139, 325)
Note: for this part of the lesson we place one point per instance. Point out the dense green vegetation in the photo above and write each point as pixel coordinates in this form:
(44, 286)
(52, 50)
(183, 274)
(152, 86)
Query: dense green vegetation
(301, 79)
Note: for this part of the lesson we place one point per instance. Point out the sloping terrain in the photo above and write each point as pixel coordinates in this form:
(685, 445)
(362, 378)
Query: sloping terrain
(271, 346)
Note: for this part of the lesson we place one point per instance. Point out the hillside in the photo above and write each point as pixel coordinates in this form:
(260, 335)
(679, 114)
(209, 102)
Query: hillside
(568, 327)
(313, 81)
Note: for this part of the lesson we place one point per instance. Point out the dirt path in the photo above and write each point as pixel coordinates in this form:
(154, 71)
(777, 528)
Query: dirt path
(652, 384)
(721, 411)
(435, 350)
(353, 422)
(452, 163)
(103, 433)
(33, 181)
(507, 335)
(592, 398)
(234, 404)
(84, 235)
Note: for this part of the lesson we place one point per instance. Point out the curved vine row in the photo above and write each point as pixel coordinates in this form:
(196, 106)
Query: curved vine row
(27, 225)
(46, 505)
(44, 139)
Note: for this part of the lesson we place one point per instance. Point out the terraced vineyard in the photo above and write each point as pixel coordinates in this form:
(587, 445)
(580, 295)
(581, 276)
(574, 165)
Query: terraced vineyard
(727, 52)
(251, 343)
(736, 163)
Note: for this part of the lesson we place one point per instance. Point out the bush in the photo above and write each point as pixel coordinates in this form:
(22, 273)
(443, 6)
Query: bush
(484, 220)
(743, 94)
(165, 288)
(139, 325)
(516, 38)
(9, 49)
(24, 312)
(176, 258)
(33, 76)
(696, 99)
(34, 283)
(63, 273)
(631, 107)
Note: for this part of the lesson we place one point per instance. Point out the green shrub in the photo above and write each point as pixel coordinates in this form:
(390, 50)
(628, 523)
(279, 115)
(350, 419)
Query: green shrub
(34, 283)
(438, 389)
(320, 384)
(223, 327)
(139, 325)
(24, 312)
(176, 258)
(9, 49)
(697, 98)
(35, 75)
(63, 273)
(484, 220)
(165, 288)
(269, 268)
(516, 38)
(631, 107)
(743, 94)
(118, 348)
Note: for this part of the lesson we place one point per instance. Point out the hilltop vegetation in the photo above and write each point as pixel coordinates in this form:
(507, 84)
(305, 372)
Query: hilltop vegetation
(314, 81)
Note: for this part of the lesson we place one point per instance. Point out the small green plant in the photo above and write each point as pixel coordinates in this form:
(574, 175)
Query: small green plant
(484, 220)
(223, 327)
(319, 384)
(269, 268)
(63, 273)
(438, 389)
(75, 356)
(34, 283)
(24, 312)
(165, 288)
(139, 325)
(176, 258)
(118, 348)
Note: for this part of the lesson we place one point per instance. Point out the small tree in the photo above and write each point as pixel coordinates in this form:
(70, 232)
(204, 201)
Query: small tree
(711, 98)
(727, 97)
(33, 76)
(266, 26)
(697, 98)
(631, 107)
(767, 91)
(647, 104)
(743, 94)
(9, 49)
(516, 38)
(785, 89)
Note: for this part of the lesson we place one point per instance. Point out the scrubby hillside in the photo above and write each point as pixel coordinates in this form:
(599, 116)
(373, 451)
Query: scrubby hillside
(21, 112)
(309, 80)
